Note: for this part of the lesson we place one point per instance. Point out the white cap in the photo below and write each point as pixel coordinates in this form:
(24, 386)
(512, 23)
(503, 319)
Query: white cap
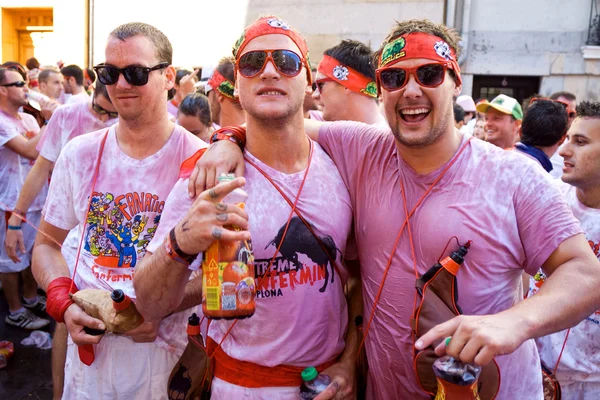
(466, 102)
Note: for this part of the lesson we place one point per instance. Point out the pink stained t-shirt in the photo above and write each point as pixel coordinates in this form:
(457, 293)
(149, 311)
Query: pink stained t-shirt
(66, 123)
(300, 317)
(503, 202)
(13, 167)
(579, 368)
(124, 213)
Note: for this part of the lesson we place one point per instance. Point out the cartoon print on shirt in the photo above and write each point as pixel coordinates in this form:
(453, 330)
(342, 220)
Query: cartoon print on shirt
(298, 242)
(116, 234)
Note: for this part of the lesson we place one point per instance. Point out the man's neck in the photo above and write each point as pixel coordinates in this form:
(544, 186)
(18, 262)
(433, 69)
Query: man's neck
(282, 145)
(140, 140)
(9, 109)
(424, 160)
(77, 89)
(589, 197)
(550, 150)
(363, 109)
(230, 115)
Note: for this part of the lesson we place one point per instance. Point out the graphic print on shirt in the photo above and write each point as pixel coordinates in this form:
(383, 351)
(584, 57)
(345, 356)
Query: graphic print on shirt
(24, 160)
(301, 260)
(116, 234)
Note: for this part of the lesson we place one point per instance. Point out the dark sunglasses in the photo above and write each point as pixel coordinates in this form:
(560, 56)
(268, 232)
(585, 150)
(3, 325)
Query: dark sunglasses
(18, 84)
(134, 75)
(571, 114)
(252, 63)
(102, 111)
(318, 84)
(428, 75)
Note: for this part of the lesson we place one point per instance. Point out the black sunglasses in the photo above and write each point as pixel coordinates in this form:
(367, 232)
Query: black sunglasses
(428, 75)
(134, 75)
(253, 62)
(102, 111)
(18, 84)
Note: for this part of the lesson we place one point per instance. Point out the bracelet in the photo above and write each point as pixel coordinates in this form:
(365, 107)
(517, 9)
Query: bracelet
(58, 299)
(14, 227)
(235, 134)
(175, 253)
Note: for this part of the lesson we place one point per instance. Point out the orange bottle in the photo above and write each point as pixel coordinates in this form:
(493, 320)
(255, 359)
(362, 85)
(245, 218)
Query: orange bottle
(456, 380)
(228, 288)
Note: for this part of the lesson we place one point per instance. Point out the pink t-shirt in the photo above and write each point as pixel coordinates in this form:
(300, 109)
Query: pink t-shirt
(13, 167)
(503, 202)
(300, 317)
(580, 361)
(124, 213)
(67, 122)
(172, 109)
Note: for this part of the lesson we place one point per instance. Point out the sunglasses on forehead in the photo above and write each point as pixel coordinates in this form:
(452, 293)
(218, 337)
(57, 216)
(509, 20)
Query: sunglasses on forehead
(428, 75)
(571, 114)
(253, 63)
(18, 84)
(133, 74)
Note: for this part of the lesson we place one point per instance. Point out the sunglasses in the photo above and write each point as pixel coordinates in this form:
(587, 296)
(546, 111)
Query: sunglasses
(18, 84)
(571, 114)
(134, 75)
(253, 63)
(102, 111)
(318, 84)
(428, 75)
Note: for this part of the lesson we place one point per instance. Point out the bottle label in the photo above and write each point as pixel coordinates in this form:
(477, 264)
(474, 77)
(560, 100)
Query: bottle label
(450, 391)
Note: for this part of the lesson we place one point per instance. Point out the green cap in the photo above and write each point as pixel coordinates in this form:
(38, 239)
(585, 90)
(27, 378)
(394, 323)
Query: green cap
(309, 374)
(505, 104)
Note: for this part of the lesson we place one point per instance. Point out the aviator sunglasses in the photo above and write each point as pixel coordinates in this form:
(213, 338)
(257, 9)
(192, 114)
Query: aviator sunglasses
(253, 63)
(428, 75)
(134, 75)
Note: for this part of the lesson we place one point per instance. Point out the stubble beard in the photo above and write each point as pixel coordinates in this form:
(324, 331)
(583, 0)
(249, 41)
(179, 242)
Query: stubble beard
(434, 133)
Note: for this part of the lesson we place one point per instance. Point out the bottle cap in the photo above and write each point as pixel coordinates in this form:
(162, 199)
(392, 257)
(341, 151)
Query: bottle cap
(117, 296)
(309, 374)
(194, 320)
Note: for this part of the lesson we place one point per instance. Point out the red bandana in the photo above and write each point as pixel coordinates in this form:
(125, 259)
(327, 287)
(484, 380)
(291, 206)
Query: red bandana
(347, 77)
(223, 85)
(273, 26)
(419, 45)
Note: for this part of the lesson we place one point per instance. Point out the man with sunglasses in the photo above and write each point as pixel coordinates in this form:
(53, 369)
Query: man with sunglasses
(225, 108)
(66, 123)
(299, 321)
(345, 84)
(111, 185)
(420, 183)
(19, 134)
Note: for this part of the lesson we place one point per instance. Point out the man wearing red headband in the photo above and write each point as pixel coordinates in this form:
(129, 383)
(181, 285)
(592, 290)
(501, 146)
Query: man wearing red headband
(345, 84)
(420, 183)
(299, 321)
(225, 108)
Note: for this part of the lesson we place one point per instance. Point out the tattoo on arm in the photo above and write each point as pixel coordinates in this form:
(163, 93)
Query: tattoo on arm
(217, 233)
(213, 193)
(212, 146)
(221, 206)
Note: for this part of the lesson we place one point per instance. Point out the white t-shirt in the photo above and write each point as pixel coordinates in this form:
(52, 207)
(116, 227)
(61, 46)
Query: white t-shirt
(580, 361)
(66, 123)
(13, 167)
(81, 97)
(124, 213)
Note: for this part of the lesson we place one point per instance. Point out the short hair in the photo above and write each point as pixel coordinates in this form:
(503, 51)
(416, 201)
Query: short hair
(73, 71)
(15, 66)
(544, 123)
(180, 74)
(196, 104)
(225, 67)
(567, 95)
(32, 63)
(459, 113)
(100, 89)
(588, 109)
(45, 75)
(449, 35)
(164, 50)
(3, 72)
(354, 54)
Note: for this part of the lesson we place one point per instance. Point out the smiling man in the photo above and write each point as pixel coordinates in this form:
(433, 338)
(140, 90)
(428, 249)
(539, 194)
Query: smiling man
(420, 183)
(111, 184)
(299, 321)
(503, 117)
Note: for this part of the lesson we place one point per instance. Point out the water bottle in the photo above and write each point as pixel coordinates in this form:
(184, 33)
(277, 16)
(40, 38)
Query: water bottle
(456, 380)
(228, 288)
(313, 383)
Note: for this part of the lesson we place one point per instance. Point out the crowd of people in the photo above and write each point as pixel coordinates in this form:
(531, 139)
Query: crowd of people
(109, 180)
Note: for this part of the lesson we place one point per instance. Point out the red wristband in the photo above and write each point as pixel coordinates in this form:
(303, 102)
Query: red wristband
(58, 299)
(234, 133)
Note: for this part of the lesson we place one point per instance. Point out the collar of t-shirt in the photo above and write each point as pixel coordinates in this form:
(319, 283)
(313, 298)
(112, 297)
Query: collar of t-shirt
(537, 154)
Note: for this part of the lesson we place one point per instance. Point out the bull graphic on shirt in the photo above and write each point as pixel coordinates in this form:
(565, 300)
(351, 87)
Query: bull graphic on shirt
(300, 240)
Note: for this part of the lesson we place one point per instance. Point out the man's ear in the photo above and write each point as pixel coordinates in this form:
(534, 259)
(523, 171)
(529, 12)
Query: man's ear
(170, 74)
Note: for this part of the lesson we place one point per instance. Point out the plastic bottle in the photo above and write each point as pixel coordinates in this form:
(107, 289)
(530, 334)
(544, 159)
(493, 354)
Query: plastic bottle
(228, 288)
(313, 383)
(456, 380)
(6, 351)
